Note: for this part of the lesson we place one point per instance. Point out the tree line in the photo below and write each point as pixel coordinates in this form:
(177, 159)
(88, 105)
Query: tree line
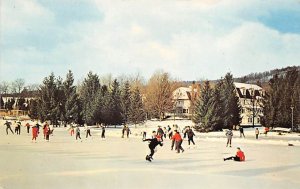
(114, 101)
(217, 108)
(283, 95)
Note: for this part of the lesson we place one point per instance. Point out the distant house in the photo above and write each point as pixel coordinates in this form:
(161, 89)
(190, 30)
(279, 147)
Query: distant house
(184, 99)
(250, 97)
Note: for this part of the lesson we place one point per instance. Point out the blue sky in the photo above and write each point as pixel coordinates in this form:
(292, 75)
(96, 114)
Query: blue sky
(189, 39)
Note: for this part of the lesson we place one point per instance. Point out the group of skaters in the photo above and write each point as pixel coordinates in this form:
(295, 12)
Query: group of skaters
(47, 129)
(76, 130)
(173, 134)
(17, 125)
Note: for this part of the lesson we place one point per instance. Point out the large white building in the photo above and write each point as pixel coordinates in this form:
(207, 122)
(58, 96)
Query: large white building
(250, 97)
(184, 99)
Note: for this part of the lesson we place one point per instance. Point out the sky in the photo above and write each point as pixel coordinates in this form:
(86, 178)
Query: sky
(190, 39)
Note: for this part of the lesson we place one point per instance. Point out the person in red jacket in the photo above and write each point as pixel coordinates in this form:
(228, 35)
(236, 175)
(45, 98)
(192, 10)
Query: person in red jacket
(178, 141)
(240, 156)
(34, 132)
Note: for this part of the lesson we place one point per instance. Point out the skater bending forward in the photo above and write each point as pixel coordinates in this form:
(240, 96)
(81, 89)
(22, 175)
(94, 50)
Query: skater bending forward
(152, 145)
(240, 156)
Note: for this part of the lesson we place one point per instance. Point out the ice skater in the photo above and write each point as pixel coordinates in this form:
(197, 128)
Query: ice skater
(78, 132)
(241, 132)
(178, 141)
(47, 132)
(240, 156)
(34, 132)
(128, 131)
(103, 132)
(229, 135)
(190, 134)
(152, 145)
(28, 127)
(160, 133)
(256, 133)
(88, 131)
(8, 127)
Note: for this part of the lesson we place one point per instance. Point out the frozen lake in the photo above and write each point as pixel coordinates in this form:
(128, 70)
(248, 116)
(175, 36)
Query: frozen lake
(120, 163)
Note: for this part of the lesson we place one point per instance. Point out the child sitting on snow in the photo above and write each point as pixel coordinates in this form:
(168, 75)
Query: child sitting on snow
(240, 156)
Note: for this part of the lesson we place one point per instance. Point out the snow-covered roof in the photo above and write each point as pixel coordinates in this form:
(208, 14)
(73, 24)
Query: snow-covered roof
(247, 86)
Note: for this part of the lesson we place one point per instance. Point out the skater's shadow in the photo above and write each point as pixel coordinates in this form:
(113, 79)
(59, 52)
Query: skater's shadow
(260, 171)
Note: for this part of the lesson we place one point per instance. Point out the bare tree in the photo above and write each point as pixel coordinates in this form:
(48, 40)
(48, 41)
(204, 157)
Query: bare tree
(159, 95)
(18, 85)
(4, 86)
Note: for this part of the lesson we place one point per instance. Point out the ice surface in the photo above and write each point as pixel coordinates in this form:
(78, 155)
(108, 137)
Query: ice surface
(120, 162)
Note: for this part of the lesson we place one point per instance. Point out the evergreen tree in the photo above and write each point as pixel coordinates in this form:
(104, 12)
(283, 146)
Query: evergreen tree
(33, 109)
(2, 103)
(48, 100)
(231, 103)
(136, 111)
(21, 103)
(125, 101)
(88, 93)
(282, 95)
(116, 117)
(71, 105)
(217, 108)
(203, 109)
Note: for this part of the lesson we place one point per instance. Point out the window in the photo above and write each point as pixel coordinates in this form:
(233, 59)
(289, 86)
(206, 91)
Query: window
(185, 111)
(258, 120)
(249, 120)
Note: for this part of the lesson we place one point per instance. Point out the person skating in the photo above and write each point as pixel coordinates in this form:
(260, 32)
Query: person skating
(229, 135)
(72, 130)
(8, 127)
(123, 131)
(78, 132)
(256, 133)
(178, 141)
(160, 133)
(144, 133)
(28, 127)
(240, 156)
(190, 134)
(47, 132)
(88, 131)
(18, 128)
(128, 131)
(169, 132)
(152, 145)
(103, 132)
(241, 132)
(35, 132)
(45, 128)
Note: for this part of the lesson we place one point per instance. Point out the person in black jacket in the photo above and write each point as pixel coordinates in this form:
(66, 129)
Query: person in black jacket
(152, 145)
(189, 132)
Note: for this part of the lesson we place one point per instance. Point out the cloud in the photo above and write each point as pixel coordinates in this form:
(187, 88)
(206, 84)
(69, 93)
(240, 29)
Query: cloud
(189, 39)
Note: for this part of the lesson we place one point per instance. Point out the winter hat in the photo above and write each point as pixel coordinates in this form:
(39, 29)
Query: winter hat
(238, 148)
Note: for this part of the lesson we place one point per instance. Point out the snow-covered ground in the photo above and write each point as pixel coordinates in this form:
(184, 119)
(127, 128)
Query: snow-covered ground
(120, 162)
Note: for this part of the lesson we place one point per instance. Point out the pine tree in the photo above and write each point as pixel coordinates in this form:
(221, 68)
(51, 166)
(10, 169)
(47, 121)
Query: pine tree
(2, 103)
(231, 104)
(116, 117)
(71, 105)
(136, 110)
(47, 101)
(33, 109)
(88, 93)
(203, 111)
(217, 108)
(125, 101)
